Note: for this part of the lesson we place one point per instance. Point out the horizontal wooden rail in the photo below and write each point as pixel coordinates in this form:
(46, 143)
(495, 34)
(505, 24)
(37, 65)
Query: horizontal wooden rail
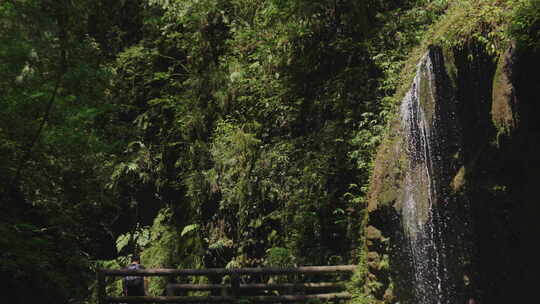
(234, 288)
(282, 286)
(213, 299)
(225, 271)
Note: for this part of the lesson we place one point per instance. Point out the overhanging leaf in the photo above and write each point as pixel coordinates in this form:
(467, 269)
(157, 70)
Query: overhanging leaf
(189, 228)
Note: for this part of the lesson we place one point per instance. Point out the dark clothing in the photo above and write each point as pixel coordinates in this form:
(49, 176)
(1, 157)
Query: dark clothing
(134, 290)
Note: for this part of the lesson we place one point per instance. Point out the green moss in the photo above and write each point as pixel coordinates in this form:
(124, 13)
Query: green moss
(390, 164)
(389, 195)
(357, 285)
(384, 263)
(364, 284)
(387, 174)
(482, 21)
(450, 65)
(373, 259)
(408, 71)
(502, 115)
(389, 294)
(427, 91)
(373, 233)
(459, 180)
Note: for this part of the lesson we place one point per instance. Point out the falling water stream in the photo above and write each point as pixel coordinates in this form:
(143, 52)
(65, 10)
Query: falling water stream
(420, 193)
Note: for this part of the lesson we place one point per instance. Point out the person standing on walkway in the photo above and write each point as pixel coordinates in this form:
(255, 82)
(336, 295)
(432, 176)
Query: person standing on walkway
(134, 285)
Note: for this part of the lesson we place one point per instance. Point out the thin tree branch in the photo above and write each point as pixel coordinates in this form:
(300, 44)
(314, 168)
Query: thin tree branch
(61, 20)
(34, 140)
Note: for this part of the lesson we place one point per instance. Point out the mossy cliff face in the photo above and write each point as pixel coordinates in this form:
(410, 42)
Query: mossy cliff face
(411, 196)
(481, 113)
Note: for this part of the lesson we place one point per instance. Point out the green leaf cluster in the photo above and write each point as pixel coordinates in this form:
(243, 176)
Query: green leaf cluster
(206, 132)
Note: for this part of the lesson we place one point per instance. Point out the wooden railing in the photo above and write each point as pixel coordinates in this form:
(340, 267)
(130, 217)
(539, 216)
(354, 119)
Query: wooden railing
(234, 290)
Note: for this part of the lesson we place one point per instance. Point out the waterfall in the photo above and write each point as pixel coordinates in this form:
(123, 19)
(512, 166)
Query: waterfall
(421, 190)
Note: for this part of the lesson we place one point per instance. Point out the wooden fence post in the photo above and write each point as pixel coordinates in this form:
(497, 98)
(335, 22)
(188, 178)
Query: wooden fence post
(101, 293)
(170, 290)
(235, 284)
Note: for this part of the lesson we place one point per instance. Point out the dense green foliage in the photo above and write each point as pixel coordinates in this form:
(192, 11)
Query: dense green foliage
(53, 90)
(245, 115)
(200, 132)
(526, 26)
